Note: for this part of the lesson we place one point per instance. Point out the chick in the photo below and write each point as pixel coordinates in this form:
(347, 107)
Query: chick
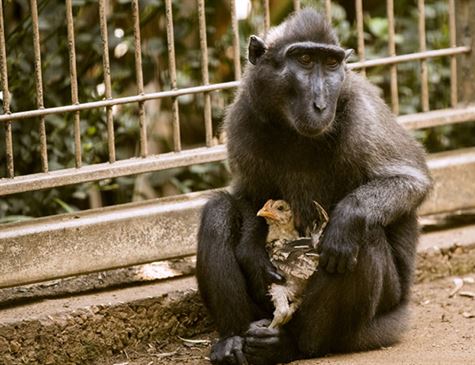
(294, 256)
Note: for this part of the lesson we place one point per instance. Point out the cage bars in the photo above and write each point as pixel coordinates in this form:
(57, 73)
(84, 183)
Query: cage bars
(39, 84)
(328, 10)
(172, 72)
(297, 5)
(392, 53)
(204, 72)
(10, 171)
(139, 77)
(236, 48)
(423, 48)
(453, 59)
(360, 32)
(107, 79)
(74, 82)
(183, 158)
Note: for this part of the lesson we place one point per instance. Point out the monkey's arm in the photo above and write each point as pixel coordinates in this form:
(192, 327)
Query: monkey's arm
(252, 255)
(377, 203)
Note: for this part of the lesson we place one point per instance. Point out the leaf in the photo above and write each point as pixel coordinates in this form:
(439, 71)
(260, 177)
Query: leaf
(68, 208)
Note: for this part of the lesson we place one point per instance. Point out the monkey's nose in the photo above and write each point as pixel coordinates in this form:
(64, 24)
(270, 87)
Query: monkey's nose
(319, 106)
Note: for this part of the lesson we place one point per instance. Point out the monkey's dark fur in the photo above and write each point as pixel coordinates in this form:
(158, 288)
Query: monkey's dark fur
(307, 132)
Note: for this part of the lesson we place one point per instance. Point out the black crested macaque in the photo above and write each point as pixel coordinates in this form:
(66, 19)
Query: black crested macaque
(304, 128)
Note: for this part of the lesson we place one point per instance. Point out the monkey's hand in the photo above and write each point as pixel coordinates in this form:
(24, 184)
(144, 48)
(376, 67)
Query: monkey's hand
(339, 246)
(265, 346)
(258, 269)
(228, 351)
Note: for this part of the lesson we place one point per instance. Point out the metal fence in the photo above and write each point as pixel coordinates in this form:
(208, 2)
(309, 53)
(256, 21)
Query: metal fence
(461, 27)
(147, 162)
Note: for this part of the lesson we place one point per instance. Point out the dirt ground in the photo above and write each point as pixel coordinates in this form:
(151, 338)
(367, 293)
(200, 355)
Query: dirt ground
(442, 332)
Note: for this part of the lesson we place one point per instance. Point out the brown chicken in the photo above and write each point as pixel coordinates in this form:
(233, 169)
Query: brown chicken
(294, 256)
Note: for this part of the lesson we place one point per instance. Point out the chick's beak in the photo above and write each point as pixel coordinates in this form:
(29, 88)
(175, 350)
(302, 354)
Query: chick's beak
(266, 214)
(266, 211)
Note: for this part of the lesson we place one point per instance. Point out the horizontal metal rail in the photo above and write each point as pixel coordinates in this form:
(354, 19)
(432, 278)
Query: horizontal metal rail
(188, 157)
(108, 170)
(118, 101)
(410, 57)
(439, 117)
(215, 87)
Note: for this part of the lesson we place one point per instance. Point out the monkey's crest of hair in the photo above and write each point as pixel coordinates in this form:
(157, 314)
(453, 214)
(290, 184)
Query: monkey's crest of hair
(305, 25)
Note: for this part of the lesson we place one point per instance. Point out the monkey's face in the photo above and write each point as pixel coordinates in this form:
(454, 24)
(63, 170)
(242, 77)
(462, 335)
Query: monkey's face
(300, 81)
(315, 75)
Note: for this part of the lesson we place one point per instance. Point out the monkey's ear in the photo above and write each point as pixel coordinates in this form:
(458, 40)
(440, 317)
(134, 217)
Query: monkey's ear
(257, 48)
(348, 53)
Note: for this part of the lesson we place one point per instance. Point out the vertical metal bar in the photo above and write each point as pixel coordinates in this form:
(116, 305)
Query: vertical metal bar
(39, 84)
(453, 59)
(465, 15)
(74, 82)
(172, 71)
(204, 72)
(139, 77)
(328, 10)
(297, 5)
(266, 15)
(107, 78)
(392, 52)
(236, 49)
(6, 97)
(422, 48)
(360, 31)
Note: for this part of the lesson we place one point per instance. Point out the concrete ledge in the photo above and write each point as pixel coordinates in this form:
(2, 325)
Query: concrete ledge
(137, 233)
(82, 329)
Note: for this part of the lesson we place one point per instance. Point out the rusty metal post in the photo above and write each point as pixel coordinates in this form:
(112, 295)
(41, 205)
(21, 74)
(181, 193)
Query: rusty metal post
(107, 78)
(74, 82)
(328, 10)
(266, 15)
(139, 77)
(360, 31)
(236, 45)
(172, 71)
(423, 48)
(465, 22)
(392, 53)
(6, 97)
(39, 84)
(297, 5)
(205, 73)
(453, 59)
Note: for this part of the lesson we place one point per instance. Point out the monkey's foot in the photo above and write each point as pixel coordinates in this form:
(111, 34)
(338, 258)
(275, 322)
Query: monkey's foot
(228, 351)
(266, 346)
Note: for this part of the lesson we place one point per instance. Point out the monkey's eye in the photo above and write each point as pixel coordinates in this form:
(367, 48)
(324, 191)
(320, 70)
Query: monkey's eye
(332, 62)
(305, 59)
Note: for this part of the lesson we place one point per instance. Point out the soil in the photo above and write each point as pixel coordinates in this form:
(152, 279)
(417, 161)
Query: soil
(442, 331)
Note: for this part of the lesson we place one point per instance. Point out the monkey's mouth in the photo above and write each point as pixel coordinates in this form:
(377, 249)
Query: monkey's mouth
(313, 127)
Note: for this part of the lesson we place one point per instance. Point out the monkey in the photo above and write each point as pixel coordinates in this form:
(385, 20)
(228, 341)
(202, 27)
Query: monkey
(303, 127)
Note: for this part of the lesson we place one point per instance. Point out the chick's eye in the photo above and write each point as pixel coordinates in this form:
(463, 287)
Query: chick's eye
(280, 207)
(332, 62)
(305, 59)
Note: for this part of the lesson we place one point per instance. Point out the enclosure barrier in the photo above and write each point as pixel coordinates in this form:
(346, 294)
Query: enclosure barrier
(165, 228)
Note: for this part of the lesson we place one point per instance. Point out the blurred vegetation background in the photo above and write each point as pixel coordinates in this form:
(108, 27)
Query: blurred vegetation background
(56, 81)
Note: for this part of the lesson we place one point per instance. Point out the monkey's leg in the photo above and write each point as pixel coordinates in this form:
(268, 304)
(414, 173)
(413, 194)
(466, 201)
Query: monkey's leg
(365, 308)
(220, 280)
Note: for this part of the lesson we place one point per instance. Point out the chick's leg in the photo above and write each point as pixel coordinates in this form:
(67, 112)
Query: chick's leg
(283, 311)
